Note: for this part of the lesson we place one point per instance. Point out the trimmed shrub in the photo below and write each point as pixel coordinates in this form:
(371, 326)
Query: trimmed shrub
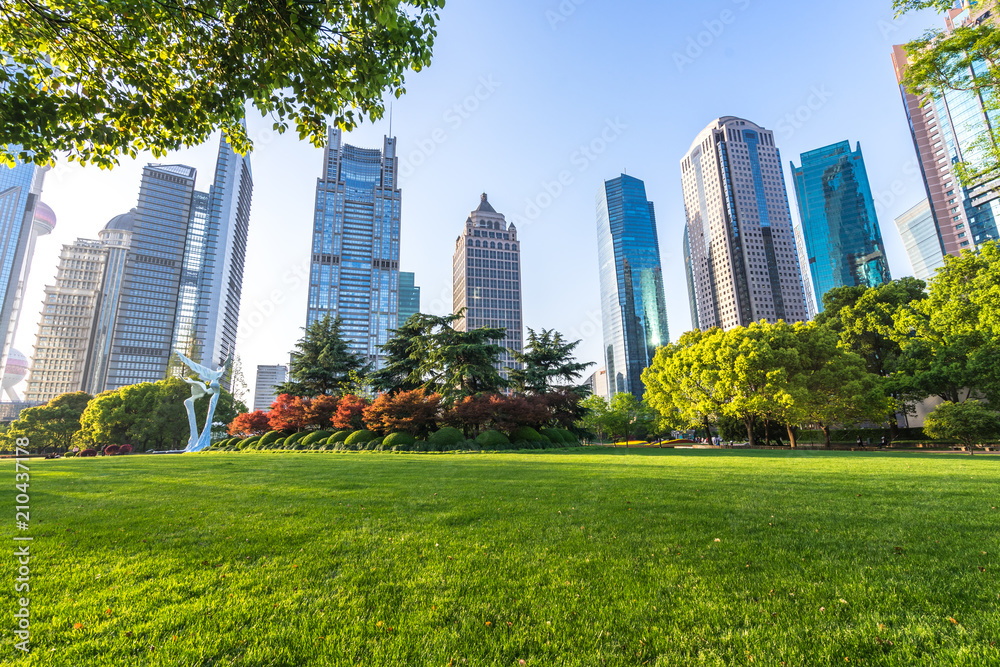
(88, 452)
(248, 442)
(111, 450)
(553, 434)
(493, 440)
(446, 439)
(399, 440)
(527, 434)
(569, 437)
(295, 437)
(69, 454)
(375, 442)
(340, 436)
(361, 437)
(270, 437)
(314, 438)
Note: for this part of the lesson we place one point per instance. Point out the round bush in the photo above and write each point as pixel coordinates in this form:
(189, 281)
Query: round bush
(446, 438)
(340, 436)
(314, 438)
(553, 435)
(270, 437)
(88, 452)
(398, 440)
(69, 454)
(375, 442)
(493, 440)
(360, 437)
(527, 434)
(295, 437)
(568, 437)
(111, 450)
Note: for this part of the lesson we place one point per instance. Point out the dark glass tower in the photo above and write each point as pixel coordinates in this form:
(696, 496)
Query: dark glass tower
(409, 297)
(354, 271)
(840, 230)
(633, 309)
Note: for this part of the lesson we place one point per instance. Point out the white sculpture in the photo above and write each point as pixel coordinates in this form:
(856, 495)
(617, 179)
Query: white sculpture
(198, 442)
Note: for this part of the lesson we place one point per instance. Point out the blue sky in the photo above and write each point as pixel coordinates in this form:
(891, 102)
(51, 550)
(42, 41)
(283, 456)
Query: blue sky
(536, 103)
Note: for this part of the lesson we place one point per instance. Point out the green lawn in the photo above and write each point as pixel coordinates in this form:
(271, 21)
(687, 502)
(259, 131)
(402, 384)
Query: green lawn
(577, 557)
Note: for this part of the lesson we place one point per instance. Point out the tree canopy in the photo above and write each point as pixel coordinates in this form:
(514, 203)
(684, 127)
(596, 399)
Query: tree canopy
(101, 78)
(547, 360)
(323, 362)
(51, 425)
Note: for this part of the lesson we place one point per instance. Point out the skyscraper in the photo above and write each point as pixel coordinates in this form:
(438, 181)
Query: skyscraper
(633, 309)
(354, 272)
(268, 378)
(920, 239)
(945, 126)
(20, 188)
(409, 297)
(743, 259)
(839, 226)
(486, 274)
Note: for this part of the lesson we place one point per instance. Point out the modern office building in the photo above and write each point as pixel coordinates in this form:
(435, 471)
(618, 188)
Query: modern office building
(409, 297)
(65, 332)
(180, 289)
(839, 226)
(688, 273)
(633, 309)
(945, 127)
(743, 259)
(486, 279)
(21, 221)
(920, 238)
(354, 271)
(598, 382)
(268, 378)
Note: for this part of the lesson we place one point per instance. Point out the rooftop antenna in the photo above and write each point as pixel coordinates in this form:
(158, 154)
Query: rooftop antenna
(390, 120)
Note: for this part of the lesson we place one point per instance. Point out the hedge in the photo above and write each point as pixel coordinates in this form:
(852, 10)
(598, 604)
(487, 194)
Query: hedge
(553, 434)
(314, 438)
(398, 439)
(851, 435)
(359, 438)
(295, 437)
(492, 440)
(340, 436)
(527, 434)
(446, 437)
(271, 436)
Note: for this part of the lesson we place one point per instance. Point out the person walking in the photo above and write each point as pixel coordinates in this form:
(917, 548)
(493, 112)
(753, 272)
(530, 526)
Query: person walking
(860, 442)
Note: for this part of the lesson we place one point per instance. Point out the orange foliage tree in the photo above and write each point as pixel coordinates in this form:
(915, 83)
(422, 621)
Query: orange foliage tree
(288, 413)
(249, 424)
(350, 413)
(319, 410)
(415, 412)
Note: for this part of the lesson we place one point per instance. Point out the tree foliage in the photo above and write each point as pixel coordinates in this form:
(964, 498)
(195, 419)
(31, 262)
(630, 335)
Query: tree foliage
(547, 360)
(350, 413)
(52, 425)
(971, 423)
(98, 79)
(250, 424)
(323, 362)
(414, 412)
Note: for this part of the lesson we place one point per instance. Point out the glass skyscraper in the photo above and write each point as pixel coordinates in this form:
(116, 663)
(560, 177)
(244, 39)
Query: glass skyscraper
(920, 239)
(633, 309)
(354, 271)
(839, 227)
(409, 297)
(945, 126)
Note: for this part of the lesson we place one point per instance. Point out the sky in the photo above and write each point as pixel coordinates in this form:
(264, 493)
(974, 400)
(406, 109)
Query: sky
(537, 102)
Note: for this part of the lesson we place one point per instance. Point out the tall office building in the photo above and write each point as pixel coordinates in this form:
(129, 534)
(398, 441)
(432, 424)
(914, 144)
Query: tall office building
(743, 258)
(268, 378)
(20, 189)
(66, 329)
(633, 308)
(689, 275)
(354, 272)
(945, 126)
(409, 297)
(486, 279)
(920, 239)
(838, 222)
(180, 289)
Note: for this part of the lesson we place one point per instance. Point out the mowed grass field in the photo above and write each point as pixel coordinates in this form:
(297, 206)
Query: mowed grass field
(581, 557)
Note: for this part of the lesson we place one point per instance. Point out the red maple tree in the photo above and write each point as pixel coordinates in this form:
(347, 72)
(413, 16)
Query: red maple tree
(415, 412)
(288, 413)
(350, 413)
(249, 424)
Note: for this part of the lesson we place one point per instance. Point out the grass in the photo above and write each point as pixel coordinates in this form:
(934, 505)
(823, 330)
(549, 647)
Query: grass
(624, 557)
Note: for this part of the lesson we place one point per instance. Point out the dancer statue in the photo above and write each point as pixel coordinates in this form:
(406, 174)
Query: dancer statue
(198, 442)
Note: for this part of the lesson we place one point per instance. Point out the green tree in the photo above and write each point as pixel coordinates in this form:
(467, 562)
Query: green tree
(322, 363)
(101, 78)
(628, 417)
(594, 420)
(966, 59)
(405, 355)
(547, 360)
(971, 423)
(52, 425)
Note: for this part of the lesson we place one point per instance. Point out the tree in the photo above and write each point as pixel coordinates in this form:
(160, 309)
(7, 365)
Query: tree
(288, 413)
(971, 423)
(415, 412)
(628, 417)
(470, 413)
(51, 425)
(322, 362)
(250, 424)
(966, 59)
(405, 355)
(350, 413)
(547, 360)
(595, 419)
(101, 78)
(321, 410)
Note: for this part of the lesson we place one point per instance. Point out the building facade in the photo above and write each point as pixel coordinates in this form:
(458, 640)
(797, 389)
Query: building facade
(945, 127)
(920, 239)
(65, 332)
(839, 226)
(598, 382)
(354, 269)
(486, 279)
(409, 297)
(633, 308)
(265, 385)
(743, 260)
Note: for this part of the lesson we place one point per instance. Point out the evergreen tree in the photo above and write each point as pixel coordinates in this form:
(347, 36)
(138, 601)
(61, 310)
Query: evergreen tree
(547, 359)
(322, 362)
